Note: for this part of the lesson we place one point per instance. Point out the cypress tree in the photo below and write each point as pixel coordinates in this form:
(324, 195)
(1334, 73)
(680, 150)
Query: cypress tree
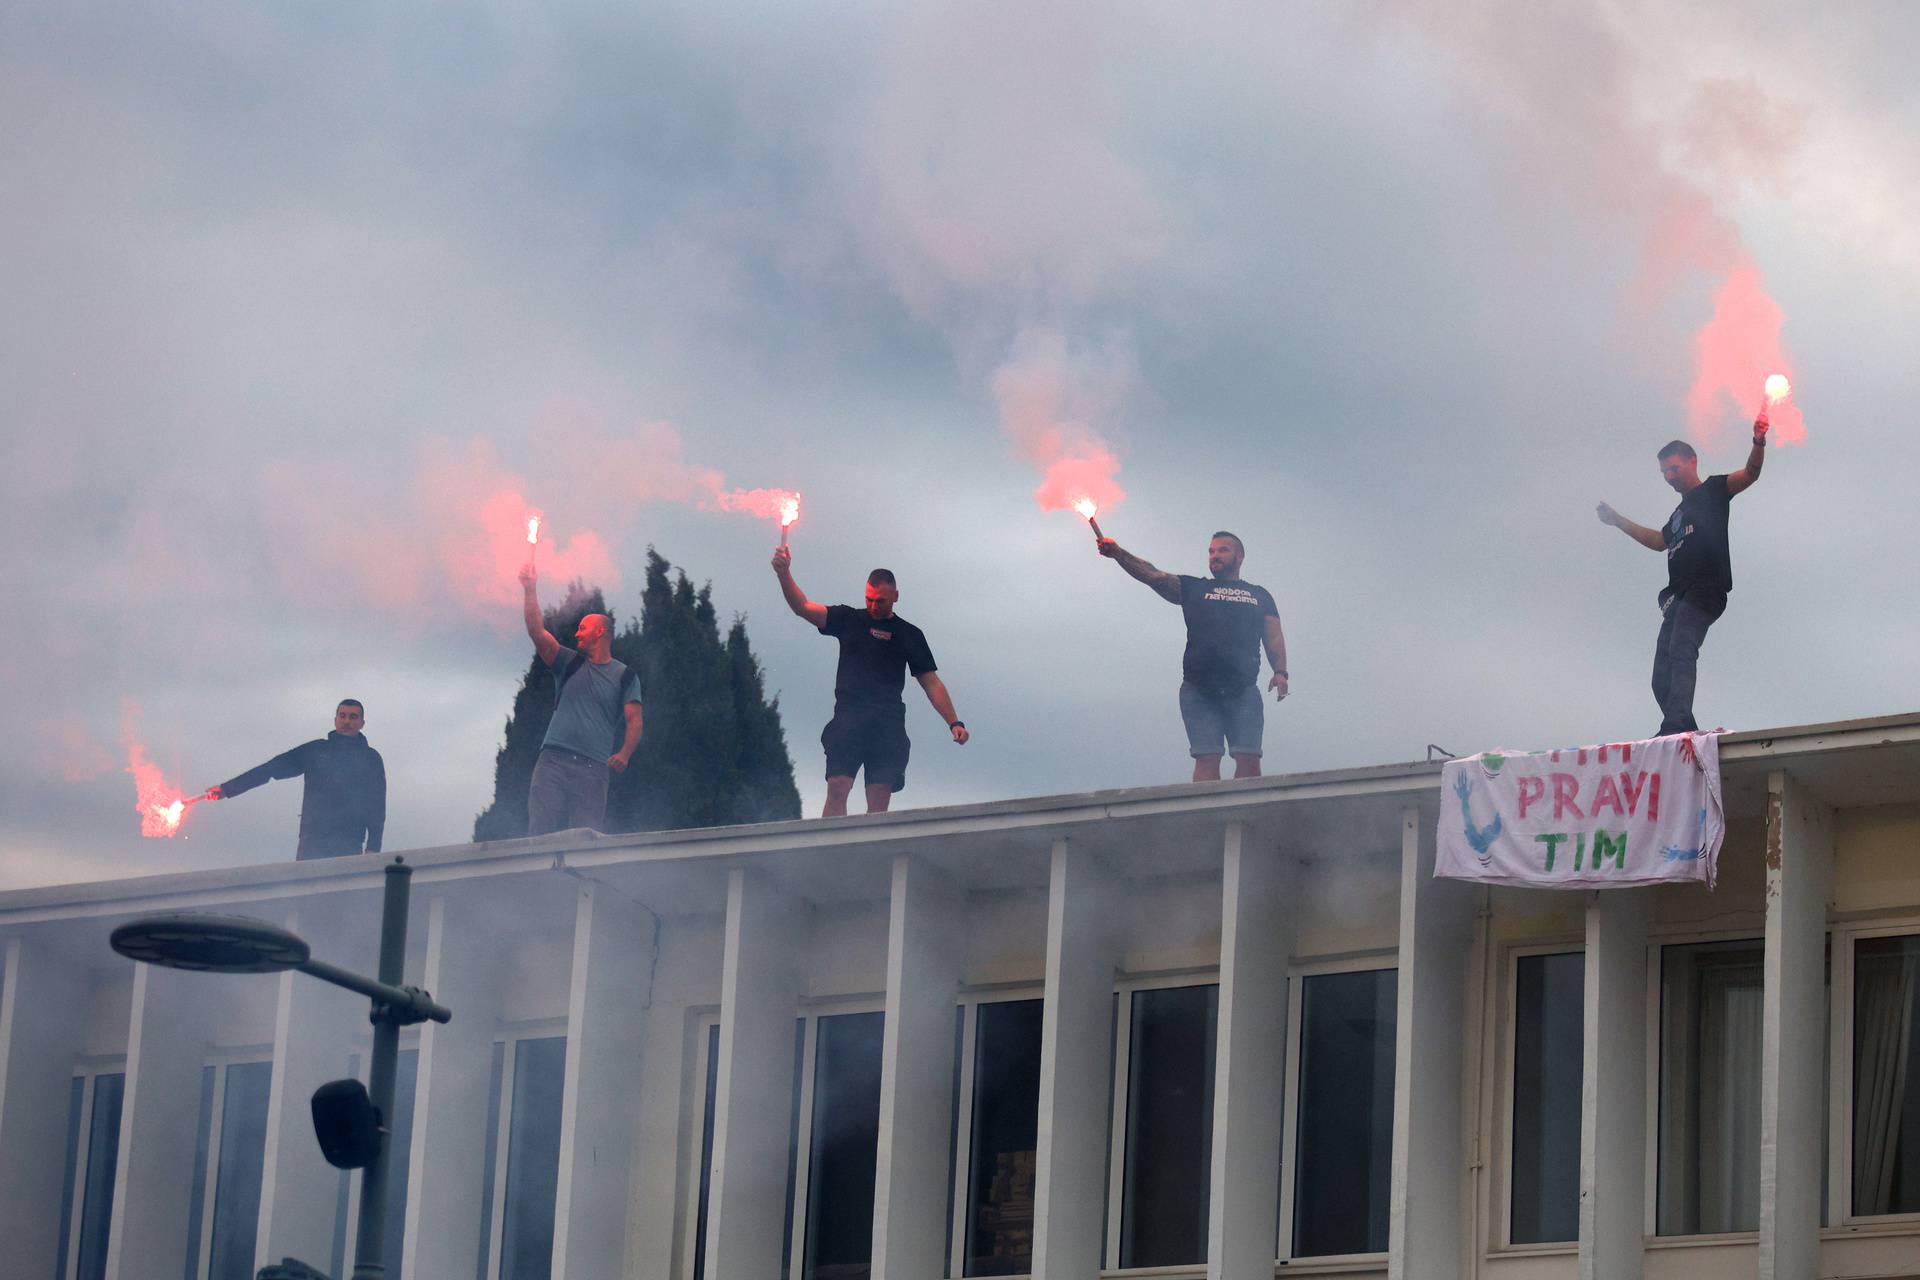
(713, 751)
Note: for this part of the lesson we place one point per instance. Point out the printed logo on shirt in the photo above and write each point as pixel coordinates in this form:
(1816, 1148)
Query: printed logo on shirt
(878, 634)
(1230, 595)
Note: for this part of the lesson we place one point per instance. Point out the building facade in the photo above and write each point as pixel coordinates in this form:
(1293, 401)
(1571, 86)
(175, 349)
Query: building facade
(1232, 1029)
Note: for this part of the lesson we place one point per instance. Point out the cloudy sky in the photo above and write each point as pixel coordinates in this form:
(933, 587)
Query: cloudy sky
(292, 292)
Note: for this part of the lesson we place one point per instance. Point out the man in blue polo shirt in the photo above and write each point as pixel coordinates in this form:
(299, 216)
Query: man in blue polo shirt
(595, 724)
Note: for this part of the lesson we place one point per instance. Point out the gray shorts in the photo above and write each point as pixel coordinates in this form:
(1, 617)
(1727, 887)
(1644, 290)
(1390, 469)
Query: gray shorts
(1234, 716)
(568, 790)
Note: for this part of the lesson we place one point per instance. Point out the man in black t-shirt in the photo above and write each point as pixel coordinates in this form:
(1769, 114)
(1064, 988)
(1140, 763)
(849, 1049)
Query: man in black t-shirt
(878, 649)
(1699, 568)
(1228, 623)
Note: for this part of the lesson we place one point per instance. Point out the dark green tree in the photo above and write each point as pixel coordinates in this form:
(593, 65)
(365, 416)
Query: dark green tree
(713, 752)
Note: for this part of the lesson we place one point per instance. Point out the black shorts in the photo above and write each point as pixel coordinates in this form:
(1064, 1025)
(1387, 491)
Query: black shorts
(873, 738)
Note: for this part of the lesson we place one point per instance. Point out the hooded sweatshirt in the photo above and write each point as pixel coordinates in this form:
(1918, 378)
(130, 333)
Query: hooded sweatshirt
(346, 793)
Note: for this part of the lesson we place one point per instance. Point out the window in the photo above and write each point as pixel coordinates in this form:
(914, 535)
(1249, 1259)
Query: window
(1710, 1041)
(523, 1103)
(1549, 1036)
(1886, 1087)
(1343, 1115)
(224, 1215)
(1165, 1082)
(844, 1146)
(93, 1155)
(1002, 1127)
(833, 1148)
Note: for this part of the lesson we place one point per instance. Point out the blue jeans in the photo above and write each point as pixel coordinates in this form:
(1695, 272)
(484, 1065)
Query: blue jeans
(1211, 716)
(1676, 655)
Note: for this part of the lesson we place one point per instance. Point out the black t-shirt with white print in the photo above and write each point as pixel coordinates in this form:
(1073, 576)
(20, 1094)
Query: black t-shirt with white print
(876, 655)
(1696, 533)
(1226, 623)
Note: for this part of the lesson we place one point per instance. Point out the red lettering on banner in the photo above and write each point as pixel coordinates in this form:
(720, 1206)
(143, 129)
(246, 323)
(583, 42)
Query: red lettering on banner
(1607, 794)
(1653, 798)
(1566, 795)
(1531, 789)
(1633, 789)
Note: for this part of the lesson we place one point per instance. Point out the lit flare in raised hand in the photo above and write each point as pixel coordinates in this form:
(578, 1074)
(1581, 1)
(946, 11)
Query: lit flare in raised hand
(1089, 508)
(1778, 388)
(789, 512)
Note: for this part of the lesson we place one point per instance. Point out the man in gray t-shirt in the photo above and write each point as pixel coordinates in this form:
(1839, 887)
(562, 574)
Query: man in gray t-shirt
(595, 724)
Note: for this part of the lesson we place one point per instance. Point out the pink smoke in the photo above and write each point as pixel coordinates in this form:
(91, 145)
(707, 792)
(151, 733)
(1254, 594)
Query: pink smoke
(159, 802)
(767, 504)
(1049, 398)
(1734, 353)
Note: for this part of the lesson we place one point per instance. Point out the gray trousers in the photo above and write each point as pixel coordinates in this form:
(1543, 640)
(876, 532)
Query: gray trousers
(568, 790)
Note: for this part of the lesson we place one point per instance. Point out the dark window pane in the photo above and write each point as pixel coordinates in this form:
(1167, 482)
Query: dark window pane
(533, 1159)
(706, 1152)
(1886, 1085)
(76, 1098)
(1549, 1035)
(793, 1146)
(342, 1189)
(1345, 1115)
(1006, 1129)
(490, 1158)
(953, 1133)
(243, 1148)
(845, 1147)
(103, 1157)
(1163, 1215)
(406, 1075)
(1710, 1019)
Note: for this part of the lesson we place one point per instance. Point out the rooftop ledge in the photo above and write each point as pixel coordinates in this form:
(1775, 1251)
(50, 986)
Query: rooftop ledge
(1832, 758)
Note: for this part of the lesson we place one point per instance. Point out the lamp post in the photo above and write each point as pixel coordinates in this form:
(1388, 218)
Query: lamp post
(238, 944)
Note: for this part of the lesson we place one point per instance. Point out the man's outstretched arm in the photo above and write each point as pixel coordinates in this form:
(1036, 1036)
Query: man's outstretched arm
(288, 764)
(1165, 585)
(796, 598)
(1651, 539)
(1742, 480)
(943, 704)
(543, 642)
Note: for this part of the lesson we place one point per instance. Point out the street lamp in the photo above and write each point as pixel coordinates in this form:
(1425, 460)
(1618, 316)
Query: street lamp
(237, 944)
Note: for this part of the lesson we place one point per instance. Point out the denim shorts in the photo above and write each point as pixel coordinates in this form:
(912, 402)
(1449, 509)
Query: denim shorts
(1235, 716)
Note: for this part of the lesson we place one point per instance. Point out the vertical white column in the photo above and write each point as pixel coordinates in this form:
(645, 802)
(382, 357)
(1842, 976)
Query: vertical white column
(1613, 1091)
(1792, 1099)
(450, 1120)
(166, 1049)
(1076, 1062)
(670, 1092)
(614, 944)
(314, 1025)
(1424, 1236)
(760, 988)
(42, 1019)
(1256, 940)
(926, 950)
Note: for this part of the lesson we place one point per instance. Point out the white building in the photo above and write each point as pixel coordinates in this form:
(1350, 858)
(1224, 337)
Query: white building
(1231, 1029)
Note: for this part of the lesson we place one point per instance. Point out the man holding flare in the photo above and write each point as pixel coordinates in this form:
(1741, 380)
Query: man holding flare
(1699, 564)
(878, 650)
(1229, 621)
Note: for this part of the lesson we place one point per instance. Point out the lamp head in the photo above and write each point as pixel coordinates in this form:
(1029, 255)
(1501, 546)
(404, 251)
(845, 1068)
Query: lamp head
(210, 944)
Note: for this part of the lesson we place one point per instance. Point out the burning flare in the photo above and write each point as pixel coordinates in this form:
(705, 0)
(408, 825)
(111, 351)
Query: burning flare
(157, 801)
(1087, 507)
(1778, 388)
(533, 528)
(789, 510)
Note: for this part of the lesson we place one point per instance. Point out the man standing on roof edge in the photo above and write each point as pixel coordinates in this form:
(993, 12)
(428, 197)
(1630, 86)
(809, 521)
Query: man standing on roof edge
(1699, 567)
(596, 705)
(1228, 622)
(878, 649)
(344, 803)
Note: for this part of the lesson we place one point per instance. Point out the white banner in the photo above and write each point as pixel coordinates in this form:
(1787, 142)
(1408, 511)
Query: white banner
(1626, 813)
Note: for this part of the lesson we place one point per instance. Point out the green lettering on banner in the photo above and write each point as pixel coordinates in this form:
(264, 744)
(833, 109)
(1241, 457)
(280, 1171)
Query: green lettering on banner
(1605, 842)
(1552, 842)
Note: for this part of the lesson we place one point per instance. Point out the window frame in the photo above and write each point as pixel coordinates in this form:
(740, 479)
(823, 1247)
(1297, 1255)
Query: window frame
(1119, 1080)
(509, 1035)
(1297, 973)
(810, 1013)
(87, 1070)
(222, 1060)
(961, 1164)
(358, 1065)
(702, 1029)
(1504, 1112)
(1840, 1092)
